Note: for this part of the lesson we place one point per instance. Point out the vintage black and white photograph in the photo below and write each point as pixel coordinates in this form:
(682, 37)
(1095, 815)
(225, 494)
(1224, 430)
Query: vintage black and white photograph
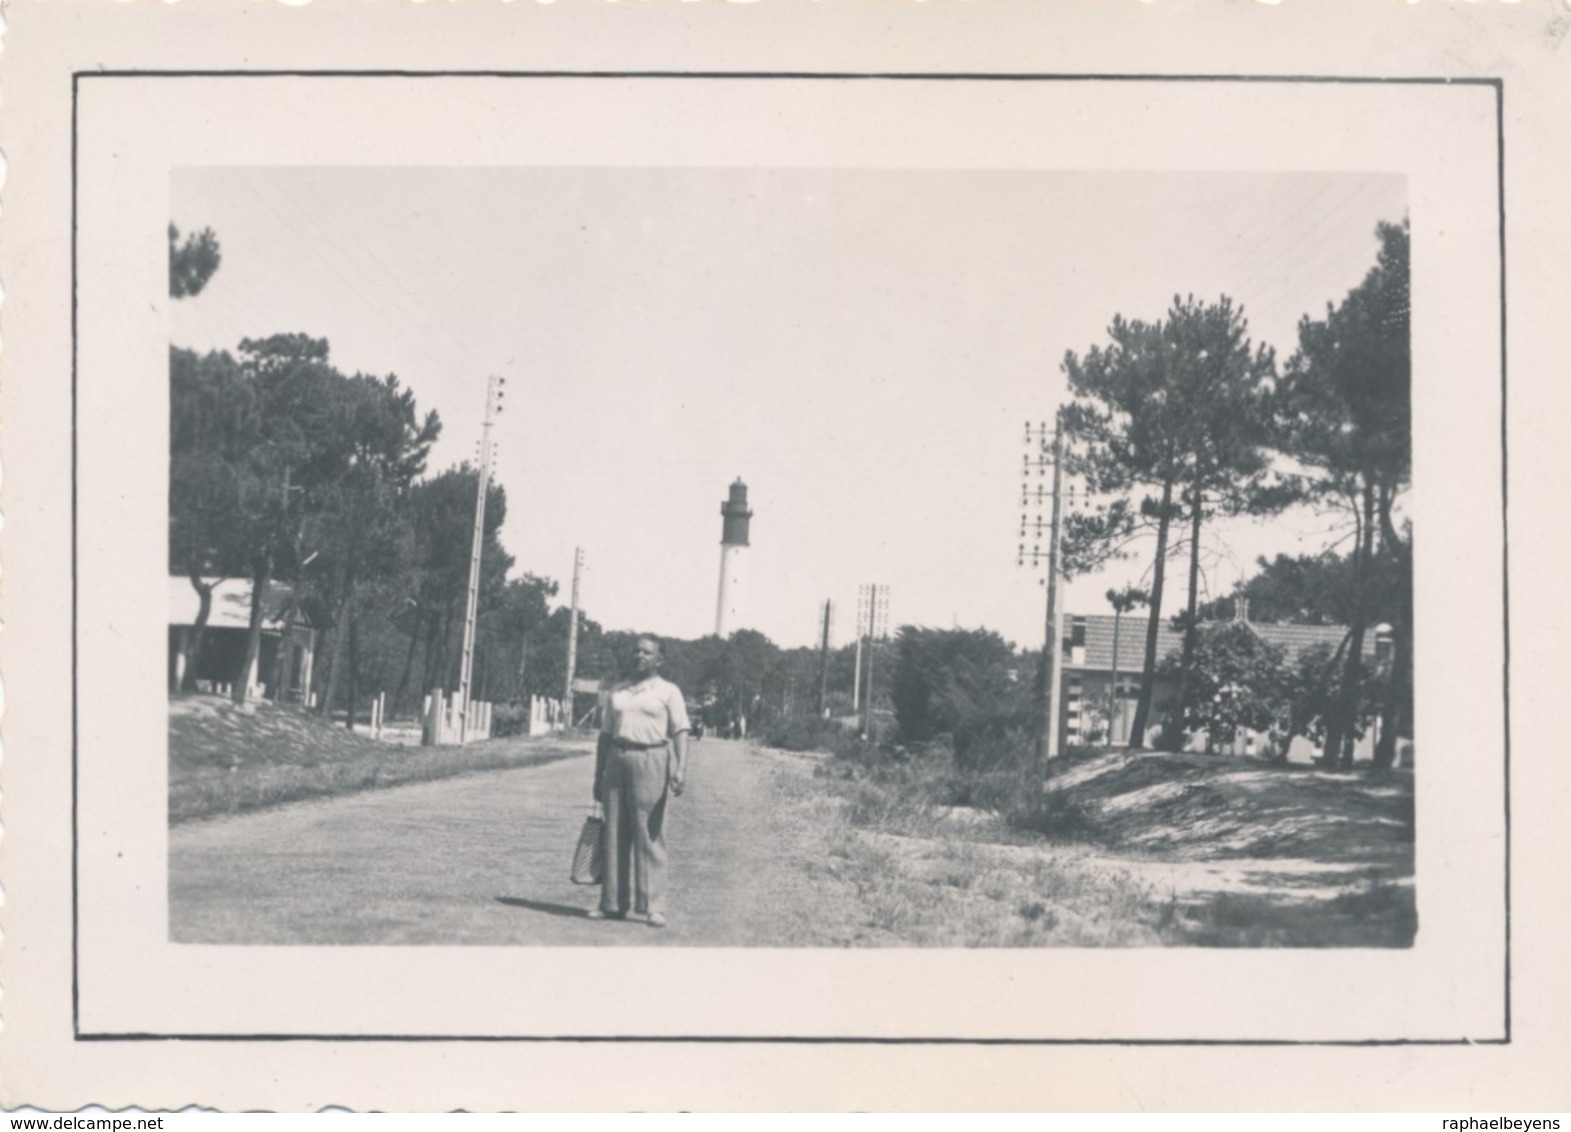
(790, 558)
(797, 554)
(586, 555)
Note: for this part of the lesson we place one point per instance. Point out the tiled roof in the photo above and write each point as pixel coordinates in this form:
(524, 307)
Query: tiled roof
(1291, 639)
(1131, 641)
(1296, 639)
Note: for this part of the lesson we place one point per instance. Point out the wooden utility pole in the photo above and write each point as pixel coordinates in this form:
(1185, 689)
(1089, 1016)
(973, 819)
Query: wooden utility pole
(493, 406)
(572, 635)
(823, 663)
(877, 624)
(856, 674)
(1115, 705)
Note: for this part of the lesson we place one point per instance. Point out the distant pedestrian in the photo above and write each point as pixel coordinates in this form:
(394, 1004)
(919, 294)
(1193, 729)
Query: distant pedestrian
(640, 762)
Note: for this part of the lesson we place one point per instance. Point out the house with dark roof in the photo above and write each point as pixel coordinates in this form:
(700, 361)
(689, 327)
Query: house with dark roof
(282, 668)
(1104, 657)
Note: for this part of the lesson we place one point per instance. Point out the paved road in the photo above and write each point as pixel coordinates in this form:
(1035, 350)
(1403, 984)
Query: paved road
(484, 859)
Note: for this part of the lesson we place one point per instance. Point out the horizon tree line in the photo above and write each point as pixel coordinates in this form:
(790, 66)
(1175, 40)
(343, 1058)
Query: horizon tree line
(285, 469)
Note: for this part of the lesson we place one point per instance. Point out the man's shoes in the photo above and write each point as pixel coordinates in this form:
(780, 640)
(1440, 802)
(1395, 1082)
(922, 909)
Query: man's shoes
(602, 914)
(656, 920)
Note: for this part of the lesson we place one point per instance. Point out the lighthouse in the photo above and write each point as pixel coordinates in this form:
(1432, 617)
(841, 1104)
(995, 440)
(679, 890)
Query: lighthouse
(733, 561)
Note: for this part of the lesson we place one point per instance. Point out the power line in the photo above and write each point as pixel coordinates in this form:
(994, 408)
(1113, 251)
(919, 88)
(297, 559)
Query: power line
(435, 329)
(364, 297)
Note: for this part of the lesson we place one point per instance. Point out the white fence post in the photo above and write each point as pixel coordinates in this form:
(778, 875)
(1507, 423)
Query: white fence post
(435, 710)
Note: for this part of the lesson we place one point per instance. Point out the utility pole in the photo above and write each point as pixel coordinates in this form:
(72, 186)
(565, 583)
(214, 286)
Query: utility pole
(493, 406)
(1052, 648)
(823, 663)
(856, 673)
(572, 635)
(1055, 636)
(875, 600)
(1115, 705)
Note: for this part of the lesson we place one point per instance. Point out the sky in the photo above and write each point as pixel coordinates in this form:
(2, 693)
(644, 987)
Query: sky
(862, 347)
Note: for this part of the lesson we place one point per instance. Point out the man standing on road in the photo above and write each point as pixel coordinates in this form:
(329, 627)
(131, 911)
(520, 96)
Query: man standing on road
(640, 761)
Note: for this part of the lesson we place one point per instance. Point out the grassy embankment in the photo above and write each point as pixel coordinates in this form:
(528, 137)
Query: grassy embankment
(1123, 850)
(225, 759)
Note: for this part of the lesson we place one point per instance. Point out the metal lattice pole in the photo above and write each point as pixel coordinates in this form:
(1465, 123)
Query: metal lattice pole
(1054, 634)
(1052, 645)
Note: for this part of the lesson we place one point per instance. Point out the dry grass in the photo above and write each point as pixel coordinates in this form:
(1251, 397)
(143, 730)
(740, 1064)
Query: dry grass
(1128, 851)
(969, 894)
(894, 870)
(225, 759)
(1378, 914)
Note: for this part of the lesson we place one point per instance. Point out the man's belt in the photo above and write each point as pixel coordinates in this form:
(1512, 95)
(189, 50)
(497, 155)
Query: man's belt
(629, 745)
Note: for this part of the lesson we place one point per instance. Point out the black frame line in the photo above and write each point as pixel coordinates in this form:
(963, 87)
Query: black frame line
(890, 76)
(839, 76)
(710, 1039)
(1505, 531)
(76, 1010)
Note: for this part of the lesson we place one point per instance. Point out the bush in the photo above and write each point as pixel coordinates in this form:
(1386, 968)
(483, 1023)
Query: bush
(947, 679)
(1237, 682)
(809, 733)
(1002, 741)
(508, 720)
(1053, 815)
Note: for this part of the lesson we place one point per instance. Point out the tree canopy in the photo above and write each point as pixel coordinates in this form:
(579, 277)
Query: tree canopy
(1171, 419)
(1305, 589)
(192, 262)
(943, 677)
(283, 468)
(1345, 411)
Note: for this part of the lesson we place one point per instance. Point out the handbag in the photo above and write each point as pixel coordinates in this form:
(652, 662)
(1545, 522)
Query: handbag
(589, 854)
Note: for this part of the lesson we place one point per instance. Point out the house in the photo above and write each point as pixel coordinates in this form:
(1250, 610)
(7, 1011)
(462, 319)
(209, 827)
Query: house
(1095, 713)
(282, 669)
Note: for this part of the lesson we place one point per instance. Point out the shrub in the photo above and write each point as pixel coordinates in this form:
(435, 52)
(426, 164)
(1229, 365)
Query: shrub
(947, 678)
(508, 720)
(810, 733)
(997, 791)
(1237, 682)
(1002, 741)
(1054, 815)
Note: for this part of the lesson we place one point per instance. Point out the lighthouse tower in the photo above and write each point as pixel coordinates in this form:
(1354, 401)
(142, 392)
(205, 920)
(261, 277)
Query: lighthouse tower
(733, 561)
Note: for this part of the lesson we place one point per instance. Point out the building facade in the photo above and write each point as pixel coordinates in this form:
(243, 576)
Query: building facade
(1104, 658)
(282, 668)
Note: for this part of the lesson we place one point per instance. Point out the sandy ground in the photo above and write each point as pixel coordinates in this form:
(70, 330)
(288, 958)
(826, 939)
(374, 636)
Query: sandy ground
(1187, 850)
(484, 859)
